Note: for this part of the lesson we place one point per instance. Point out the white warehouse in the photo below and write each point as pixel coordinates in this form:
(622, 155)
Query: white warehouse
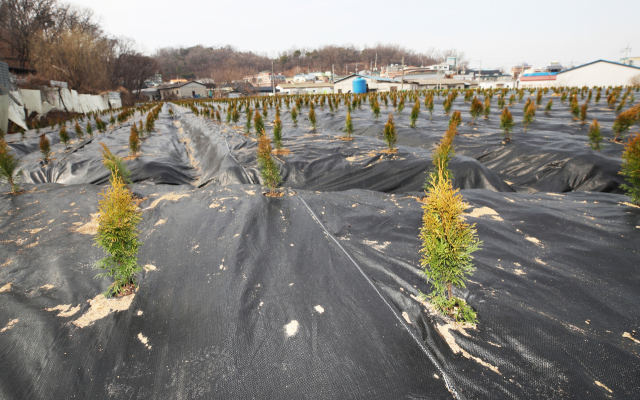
(598, 73)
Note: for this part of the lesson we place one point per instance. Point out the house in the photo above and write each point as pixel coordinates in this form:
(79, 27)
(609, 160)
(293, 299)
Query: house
(598, 73)
(635, 61)
(305, 88)
(183, 90)
(374, 84)
(435, 83)
(498, 81)
(537, 79)
(304, 78)
(265, 78)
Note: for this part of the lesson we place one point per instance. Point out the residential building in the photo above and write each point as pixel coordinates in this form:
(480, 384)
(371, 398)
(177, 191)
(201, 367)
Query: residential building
(374, 84)
(598, 73)
(519, 69)
(635, 61)
(183, 90)
(174, 81)
(444, 83)
(265, 78)
(498, 81)
(305, 88)
(301, 78)
(537, 79)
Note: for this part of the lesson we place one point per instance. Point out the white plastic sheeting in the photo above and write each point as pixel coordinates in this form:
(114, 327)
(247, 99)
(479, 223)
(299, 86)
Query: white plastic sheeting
(4, 112)
(16, 112)
(32, 101)
(115, 103)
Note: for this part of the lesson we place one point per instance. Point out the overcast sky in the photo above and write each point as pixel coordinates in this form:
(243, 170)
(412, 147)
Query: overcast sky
(499, 33)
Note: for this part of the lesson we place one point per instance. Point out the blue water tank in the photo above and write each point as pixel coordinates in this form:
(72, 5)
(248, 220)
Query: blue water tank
(359, 85)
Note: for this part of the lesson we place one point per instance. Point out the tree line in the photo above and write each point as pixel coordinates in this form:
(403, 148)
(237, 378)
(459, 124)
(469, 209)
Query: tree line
(66, 43)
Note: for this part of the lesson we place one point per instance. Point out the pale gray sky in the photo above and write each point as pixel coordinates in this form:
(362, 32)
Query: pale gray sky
(498, 32)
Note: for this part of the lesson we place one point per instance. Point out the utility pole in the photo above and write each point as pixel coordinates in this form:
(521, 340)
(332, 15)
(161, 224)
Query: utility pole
(626, 54)
(273, 77)
(356, 67)
(333, 73)
(376, 64)
(402, 79)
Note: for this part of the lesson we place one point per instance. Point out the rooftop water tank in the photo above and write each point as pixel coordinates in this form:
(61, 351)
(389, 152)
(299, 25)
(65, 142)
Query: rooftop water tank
(359, 85)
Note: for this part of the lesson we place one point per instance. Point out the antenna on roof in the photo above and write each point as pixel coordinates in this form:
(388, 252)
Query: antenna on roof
(626, 51)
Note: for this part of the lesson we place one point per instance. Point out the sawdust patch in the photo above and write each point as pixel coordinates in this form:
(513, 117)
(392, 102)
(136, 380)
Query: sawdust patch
(539, 261)
(5, 288)
(101, 307)
(11, 260)
(150, 267)
(406, 317)
(65, 310)
(144, 340)
(319, 309)
(485, 211)
(169, 196)
(628, 335)
(534, 240)
(48, 286)
(91, 227)
(451, 341)
(291, 328)
(34, 231)
(10, 325)
(629, 204)
(602, 385)
(160, 222)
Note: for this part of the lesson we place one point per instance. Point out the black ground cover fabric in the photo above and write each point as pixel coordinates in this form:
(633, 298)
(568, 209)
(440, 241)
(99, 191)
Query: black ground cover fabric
(317, 294)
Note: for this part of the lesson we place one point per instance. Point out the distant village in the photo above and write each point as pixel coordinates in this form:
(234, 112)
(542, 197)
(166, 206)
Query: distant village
(398, 77)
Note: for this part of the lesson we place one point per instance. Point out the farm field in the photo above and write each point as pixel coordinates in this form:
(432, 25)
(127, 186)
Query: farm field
(317, 293)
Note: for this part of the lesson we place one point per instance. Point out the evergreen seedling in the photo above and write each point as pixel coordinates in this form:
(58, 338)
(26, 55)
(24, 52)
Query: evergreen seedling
(277, 132)
(9, 163)
(624, 122)
(415, 112)
(375, 108)
(115, 165)
(348, 125)
(312, 117)
(268, 169)
(631, 168)
(79, 133)
(595, 138)
(89, 129)
(390, 132)
(45, 148)
(476, 109)
(547, 109)
(247, 125)
(583, 112)
(294, 115)
(442, 154)
(456, 119)
(401, 105)
(118, 237)
(487, 108)
(134, 141)
(447, 244)
(529, 115)
(258, 123)
(506, 123)
(64, 136)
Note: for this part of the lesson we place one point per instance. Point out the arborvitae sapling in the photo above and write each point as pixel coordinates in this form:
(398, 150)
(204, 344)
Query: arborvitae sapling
(78, 130)
(390, 133)
(506, 124)
(621, 105)
(447, 244)
(89, 128)
(294, 115)
(235, 115)
(529, 115)
(134, 141)
(312, 117)
(115, 165)
(401, 105)
(415, 112)
(595, 138)
(258, 123)
(441, 155)
(456, 119)
(446, 104)
(548, 107)
(348, 125)
(64, 136)
(476, 109)
(268, 168)
(118, 237)
(277, 132)
(631, 168)
(9, 163)
(375, 108)
(247, 125)
(487, 108)
(429, 105)
(45, 148)
(623, 122)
